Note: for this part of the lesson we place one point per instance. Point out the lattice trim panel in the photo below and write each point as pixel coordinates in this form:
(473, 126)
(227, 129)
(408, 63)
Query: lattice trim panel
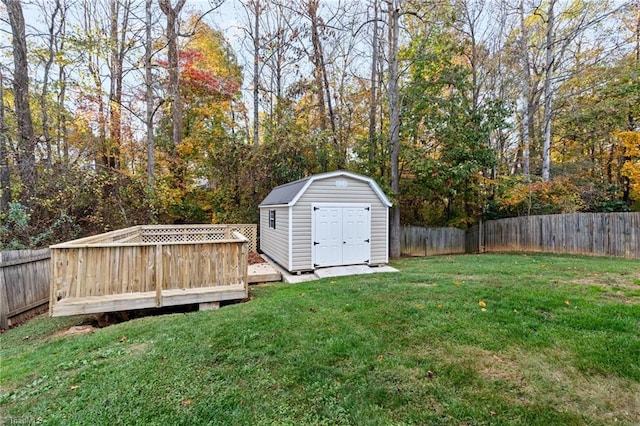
(199, 233)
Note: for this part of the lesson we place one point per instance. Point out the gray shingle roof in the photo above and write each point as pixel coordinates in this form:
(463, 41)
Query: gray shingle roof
(289, 192)
(284, 194)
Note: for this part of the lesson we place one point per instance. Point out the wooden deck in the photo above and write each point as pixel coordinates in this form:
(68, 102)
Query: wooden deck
(149, 267)
(146, 300)
(263, 273)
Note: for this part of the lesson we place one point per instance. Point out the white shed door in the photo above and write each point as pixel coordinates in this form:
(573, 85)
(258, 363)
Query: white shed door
(342, 236)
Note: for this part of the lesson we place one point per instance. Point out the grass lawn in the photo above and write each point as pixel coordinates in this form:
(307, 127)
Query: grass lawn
(477, 339)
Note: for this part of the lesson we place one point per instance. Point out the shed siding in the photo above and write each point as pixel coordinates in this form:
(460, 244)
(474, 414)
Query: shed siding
(326, 191)
(275, 242)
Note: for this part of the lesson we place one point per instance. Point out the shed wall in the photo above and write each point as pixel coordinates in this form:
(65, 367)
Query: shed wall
(275, 242)
(326, 191)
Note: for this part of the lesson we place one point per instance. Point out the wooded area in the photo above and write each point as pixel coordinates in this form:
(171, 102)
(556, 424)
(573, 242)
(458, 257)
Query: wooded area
(115, 113)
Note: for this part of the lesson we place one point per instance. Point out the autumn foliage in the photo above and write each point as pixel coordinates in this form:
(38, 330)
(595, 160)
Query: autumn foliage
(104, 158)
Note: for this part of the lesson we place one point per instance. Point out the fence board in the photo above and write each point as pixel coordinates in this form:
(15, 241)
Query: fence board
(473, 237)
(600, 234)
(603, 234)
(24, 284)
(419, 241)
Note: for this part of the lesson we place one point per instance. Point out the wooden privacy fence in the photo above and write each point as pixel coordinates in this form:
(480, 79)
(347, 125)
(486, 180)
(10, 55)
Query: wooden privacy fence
(149, 266)
(24, 284)
(605, 234)
(418, 241)
(602, 234)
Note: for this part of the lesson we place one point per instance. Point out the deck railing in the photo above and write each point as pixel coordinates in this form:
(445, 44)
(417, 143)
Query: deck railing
(149, 266)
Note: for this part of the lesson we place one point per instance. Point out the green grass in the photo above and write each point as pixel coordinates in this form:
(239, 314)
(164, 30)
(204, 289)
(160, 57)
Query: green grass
(558, 344)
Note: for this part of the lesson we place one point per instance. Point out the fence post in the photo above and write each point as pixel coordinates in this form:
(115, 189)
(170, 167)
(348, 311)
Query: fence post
(480, 236)
(4, 307)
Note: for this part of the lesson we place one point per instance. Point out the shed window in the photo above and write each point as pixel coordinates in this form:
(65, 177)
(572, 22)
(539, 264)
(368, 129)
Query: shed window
(272, 219)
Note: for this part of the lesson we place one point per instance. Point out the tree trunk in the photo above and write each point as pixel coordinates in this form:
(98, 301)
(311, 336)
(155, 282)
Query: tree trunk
(61, 130)
(374, 74)
(171, 14)
(148, 80)
(637, 32)
(61, 126)
(526, 107)
(312, 7)
(45, 81)
(115, 92)
(394, 125)
(93, 66)
(5, 176)
(26, 138)
(548, 93)
(321, 78)
(256, 72)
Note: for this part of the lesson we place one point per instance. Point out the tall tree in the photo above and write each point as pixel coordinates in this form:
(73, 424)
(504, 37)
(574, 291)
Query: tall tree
(373, 101)
(394, 13)
(548, 95)
(120, 10)
(526, 112)
(26, 137)
(171, 32)
(53, 33)
(5, 174)
(148, 81)
(254, 10)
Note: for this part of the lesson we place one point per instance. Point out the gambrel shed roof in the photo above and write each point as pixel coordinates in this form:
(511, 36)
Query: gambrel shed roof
(289, 193)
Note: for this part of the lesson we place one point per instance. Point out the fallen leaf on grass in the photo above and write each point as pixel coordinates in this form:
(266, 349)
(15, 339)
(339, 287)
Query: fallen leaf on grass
(457, 283)
(420, 306)
(123, 339)
(379, 358)
(74, 387)
(440, 306)
(185, 402)
(482, 304)
(566, 302)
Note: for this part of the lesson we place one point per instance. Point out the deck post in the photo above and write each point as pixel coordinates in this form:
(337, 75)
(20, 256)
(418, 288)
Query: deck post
(159, 276)
(208, 306)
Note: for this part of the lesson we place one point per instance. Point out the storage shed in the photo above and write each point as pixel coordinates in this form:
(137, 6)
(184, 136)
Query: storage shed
(329, 219)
